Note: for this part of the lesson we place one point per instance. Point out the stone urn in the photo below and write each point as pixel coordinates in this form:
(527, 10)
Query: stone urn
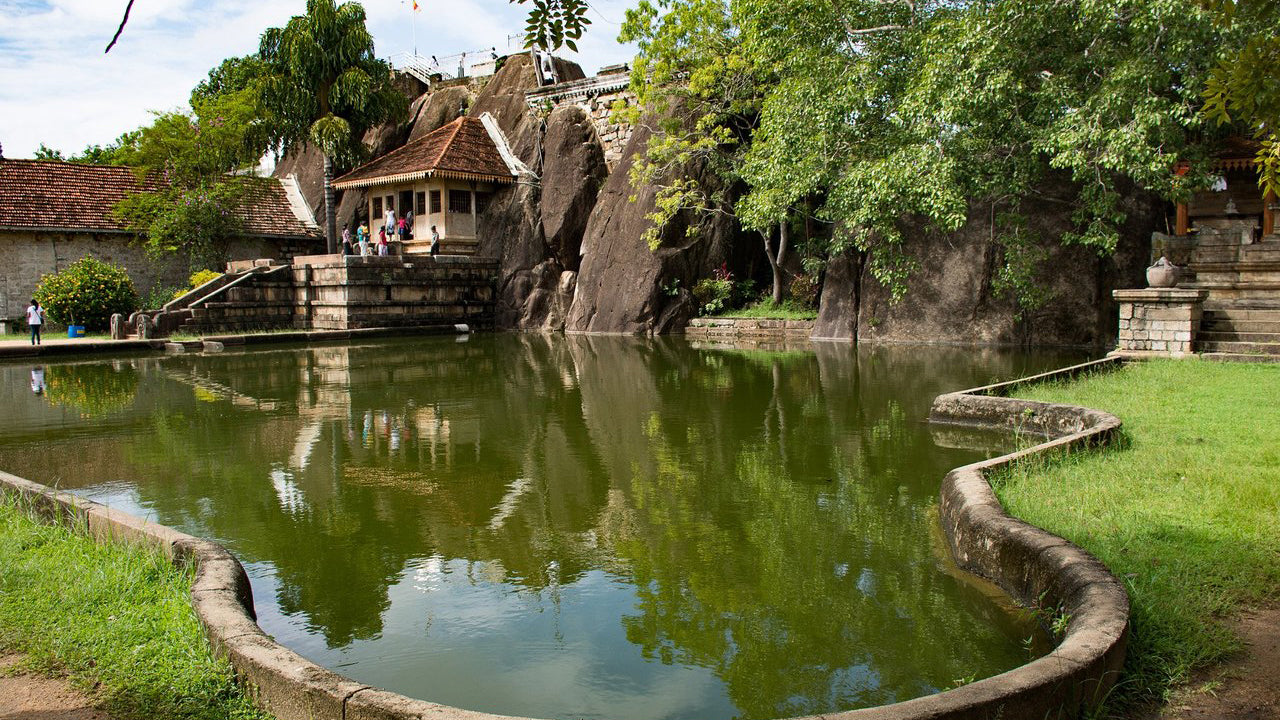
(1163, 274)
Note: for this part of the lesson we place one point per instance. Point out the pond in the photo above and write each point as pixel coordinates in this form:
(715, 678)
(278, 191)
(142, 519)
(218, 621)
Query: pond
(559, 527)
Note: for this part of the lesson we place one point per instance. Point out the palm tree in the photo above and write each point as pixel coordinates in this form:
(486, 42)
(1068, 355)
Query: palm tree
(323, 85)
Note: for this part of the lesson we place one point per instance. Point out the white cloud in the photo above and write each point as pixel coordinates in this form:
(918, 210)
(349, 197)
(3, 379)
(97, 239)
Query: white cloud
(57, 86)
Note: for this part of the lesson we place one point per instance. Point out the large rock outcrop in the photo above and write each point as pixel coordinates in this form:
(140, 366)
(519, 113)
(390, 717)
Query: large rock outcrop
(535, 227)
(951, 297)
(623, 286)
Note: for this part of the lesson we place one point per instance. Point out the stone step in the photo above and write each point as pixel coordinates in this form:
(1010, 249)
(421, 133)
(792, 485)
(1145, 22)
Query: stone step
(1252, 310)
(1216, 324)
(1265, 338)
(1242, 348)
(1239, 357)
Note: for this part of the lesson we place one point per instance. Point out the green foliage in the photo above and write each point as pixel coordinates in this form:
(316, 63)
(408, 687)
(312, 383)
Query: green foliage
(1244, 87)
(114, 153)
(201, 277)
(1184, 512)
(721, 292)
(887, 113)
(765, 309)
(197, 220)
(320, 81)
(553, 23)
(87, 293)
(116, 618)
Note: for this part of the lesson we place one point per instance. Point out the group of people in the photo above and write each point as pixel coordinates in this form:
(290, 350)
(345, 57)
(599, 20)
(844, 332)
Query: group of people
(391, 229)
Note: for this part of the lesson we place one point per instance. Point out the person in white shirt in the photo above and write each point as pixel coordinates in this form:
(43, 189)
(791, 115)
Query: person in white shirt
(35, 318)
(391, 220)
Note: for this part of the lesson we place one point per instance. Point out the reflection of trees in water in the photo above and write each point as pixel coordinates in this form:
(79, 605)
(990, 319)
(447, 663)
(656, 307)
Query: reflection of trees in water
(771, 508)
(91, 389)
(798, 574)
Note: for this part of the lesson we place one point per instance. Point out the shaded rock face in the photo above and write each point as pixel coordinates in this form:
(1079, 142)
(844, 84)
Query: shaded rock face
(951, 298)
(573, 171)
(437, 109)
(535, 229)
(621, 281)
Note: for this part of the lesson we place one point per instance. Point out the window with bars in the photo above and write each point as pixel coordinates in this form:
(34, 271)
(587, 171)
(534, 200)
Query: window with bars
(482, 201)
(460, 201)
(435, 201)
(420, 206)
(377, 210)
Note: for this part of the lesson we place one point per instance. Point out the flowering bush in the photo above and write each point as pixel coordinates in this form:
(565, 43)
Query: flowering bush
(721, 292)
(87, 293)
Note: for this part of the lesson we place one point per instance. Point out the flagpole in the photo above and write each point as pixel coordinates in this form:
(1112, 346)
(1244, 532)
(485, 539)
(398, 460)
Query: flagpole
(413, 11)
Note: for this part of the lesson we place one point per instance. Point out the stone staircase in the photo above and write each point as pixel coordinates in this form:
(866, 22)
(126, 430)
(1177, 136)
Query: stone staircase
(1241, 319)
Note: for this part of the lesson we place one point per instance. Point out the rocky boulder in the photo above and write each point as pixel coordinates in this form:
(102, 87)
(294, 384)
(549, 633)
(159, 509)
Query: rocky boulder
(951, 297)
(622, 285)
(573, 170)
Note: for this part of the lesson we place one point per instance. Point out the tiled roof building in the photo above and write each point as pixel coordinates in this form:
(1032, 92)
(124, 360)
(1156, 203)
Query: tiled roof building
(438, 184)
(71, 197)
(461, 150)
(54, 213)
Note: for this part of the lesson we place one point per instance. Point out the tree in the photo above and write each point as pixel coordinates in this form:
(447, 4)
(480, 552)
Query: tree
(323, 85)
(881, 111)
(198, 204)
(1244, 86)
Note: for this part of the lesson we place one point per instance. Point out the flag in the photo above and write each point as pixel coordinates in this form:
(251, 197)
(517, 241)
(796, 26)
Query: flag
(415, 6)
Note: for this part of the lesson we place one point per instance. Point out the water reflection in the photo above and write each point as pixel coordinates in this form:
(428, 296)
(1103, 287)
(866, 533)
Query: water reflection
(590, 523)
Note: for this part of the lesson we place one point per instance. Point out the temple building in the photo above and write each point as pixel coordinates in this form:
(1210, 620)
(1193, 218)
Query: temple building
(445, 178)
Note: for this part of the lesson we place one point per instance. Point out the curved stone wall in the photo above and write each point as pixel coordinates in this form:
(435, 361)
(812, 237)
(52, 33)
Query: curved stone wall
(1034, 566)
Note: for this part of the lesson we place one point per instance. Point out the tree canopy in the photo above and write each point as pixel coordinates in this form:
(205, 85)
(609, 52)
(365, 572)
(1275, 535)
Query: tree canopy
(874, 111)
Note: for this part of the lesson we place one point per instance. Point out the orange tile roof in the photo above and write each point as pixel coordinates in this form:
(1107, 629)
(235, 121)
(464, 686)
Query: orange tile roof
(461, 150)
(50, 195)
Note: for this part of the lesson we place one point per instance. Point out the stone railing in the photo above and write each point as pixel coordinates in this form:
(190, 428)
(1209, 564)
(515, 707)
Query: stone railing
(1032, 565)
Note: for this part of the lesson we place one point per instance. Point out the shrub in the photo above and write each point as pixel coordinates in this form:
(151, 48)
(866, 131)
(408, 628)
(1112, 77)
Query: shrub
(197, 279)
(87, 293)
(804, 290)
(721, 292)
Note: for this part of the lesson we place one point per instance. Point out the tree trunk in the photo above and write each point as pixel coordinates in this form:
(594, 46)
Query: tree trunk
(776, 258)
(784, 232)
(330, 208)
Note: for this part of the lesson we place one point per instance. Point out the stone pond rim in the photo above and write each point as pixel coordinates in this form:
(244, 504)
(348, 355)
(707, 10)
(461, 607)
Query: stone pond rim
(1032, 565)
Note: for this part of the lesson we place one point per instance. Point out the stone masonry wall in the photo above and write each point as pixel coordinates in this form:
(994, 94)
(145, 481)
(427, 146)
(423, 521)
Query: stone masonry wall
(1160, 321)
(29, 255)
(345, 293)
(614, 136)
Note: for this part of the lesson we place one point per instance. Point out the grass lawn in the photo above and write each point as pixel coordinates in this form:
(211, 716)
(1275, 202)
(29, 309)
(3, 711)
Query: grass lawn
(110, 614)
(1186, 509)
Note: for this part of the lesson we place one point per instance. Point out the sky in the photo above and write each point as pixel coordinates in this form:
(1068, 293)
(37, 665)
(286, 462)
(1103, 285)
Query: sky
(58, 88)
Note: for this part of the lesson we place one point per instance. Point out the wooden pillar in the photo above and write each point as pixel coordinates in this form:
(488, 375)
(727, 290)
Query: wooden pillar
(1268, 214)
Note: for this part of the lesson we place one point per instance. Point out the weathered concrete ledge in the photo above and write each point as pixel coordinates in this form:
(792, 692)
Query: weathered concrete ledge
(209, 342)
(1031, 564)
(749, 329)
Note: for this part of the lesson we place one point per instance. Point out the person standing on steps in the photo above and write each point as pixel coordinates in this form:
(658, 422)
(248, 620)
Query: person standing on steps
(35, 319)
(346, 239)
(435, 241)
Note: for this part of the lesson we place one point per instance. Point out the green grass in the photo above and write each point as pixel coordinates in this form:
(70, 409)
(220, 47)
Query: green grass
(1186, 509)
(766, 310)
(113, 618)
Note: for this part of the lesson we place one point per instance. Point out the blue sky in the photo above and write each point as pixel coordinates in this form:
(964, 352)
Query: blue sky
(57, 86)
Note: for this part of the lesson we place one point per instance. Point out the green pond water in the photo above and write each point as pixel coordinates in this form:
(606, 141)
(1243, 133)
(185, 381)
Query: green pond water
(556, 527)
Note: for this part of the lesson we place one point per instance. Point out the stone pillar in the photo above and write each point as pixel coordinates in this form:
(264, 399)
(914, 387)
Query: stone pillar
(118, 331)
(1159, 321)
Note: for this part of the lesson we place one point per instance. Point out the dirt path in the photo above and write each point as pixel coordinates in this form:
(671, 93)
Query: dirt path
(1246, 688)
(30, 697)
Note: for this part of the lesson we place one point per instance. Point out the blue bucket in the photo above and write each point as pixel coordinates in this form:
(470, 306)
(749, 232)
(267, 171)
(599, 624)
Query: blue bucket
(75, 331)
